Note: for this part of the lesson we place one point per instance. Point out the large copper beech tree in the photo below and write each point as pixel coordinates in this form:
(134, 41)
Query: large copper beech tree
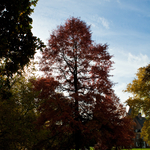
(78, 104)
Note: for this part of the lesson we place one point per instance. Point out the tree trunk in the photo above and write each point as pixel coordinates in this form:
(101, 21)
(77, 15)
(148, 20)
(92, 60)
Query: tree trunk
(77, 140)
(77, 131)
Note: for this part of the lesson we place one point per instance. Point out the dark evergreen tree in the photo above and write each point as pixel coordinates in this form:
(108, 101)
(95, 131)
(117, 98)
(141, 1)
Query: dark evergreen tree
(17, 43)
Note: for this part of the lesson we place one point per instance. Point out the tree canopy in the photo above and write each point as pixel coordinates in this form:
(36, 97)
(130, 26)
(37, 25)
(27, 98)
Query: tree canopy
(17, 48)
(140, 100)
(76, 95)
(139, 88)
(17, 43)
(18, 113)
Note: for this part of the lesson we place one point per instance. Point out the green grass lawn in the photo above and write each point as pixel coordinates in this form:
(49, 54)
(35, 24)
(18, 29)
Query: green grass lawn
(127, 149)
(139, 149)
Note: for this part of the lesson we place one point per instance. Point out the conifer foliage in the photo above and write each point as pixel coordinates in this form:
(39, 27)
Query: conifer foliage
(78, 104)
(17, 43)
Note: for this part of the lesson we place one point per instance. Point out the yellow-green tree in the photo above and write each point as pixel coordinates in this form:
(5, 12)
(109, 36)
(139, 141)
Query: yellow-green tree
(18, 114)
(140, 100)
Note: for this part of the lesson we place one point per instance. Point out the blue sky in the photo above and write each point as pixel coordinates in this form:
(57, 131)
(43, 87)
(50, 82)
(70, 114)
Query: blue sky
(123, 24)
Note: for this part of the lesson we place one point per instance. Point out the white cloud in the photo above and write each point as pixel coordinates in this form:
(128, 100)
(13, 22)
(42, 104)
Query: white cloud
(119, 88)
(99, 22)
(138, 60)
(126, 64)
(92, 24)
(104, 22)
(125, 68)
(118, 1)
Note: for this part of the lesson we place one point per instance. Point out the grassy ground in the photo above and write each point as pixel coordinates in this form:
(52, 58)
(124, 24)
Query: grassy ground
(141, 149)
(130, 149)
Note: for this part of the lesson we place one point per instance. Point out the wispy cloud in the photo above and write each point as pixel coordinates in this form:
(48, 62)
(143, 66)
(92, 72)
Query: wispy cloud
(97, 21)
(126, 66)
(104, 22)
(138, 60)
(118, 1)
(119, 88)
